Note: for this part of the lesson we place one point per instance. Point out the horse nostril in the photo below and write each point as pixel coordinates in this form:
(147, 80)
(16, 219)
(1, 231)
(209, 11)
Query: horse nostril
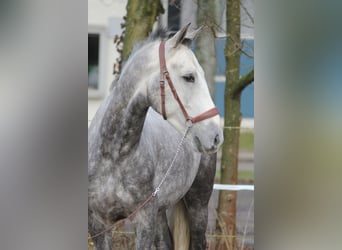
(217, 140)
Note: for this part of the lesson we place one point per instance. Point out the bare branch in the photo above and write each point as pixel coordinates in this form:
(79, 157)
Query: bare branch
(243, 83)
(247, 26)
(246, 54)
(247, 12)
(249, 48)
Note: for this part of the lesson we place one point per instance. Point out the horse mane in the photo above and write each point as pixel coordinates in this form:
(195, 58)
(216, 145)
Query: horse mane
(159, 33)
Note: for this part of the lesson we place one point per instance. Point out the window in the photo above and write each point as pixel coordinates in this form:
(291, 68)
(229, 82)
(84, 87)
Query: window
(96, 62)
(93, 61)
(174, 16)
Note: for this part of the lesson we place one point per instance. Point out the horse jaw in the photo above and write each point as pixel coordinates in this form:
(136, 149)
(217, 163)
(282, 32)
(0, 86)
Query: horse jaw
(207, 137)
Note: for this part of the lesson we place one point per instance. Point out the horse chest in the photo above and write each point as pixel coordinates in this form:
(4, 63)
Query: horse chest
(178, 180)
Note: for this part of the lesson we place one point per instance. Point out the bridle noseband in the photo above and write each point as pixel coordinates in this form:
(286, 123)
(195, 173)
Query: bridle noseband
(164, 74)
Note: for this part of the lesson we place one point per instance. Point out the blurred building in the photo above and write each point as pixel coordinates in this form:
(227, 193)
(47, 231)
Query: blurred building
(104, 23)
(104, 19)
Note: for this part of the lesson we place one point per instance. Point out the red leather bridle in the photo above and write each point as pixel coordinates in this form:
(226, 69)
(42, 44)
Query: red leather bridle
(164, 74)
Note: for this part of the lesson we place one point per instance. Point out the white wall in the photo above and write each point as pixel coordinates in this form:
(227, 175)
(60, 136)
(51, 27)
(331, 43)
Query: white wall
(105, 16)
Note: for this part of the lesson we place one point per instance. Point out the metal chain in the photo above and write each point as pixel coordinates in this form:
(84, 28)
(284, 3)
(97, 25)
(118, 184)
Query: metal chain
(188, 126)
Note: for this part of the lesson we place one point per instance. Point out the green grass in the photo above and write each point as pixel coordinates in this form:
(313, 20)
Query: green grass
(246, 145)
(247, 142)
(246, 175)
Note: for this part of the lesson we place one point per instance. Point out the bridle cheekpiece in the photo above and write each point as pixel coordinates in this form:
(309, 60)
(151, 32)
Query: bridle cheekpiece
(164, 75)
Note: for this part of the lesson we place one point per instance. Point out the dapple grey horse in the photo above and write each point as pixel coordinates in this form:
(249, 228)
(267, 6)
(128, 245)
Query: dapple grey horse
(130, 147)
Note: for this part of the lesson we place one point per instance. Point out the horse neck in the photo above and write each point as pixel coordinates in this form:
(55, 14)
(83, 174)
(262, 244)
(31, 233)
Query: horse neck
(124, 117)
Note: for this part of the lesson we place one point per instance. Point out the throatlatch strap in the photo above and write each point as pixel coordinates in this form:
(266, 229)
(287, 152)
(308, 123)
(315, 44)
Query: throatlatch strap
(163, 70)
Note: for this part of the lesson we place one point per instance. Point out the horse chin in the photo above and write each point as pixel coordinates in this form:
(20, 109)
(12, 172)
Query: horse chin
(199, 146)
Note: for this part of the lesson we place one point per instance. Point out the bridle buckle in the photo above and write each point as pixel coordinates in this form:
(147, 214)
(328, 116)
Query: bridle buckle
(188, 123)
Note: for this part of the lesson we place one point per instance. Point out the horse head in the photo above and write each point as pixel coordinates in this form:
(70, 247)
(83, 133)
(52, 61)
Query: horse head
(187, 98)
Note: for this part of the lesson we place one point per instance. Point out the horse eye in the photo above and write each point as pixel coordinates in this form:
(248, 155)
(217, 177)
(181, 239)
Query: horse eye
(189, 78)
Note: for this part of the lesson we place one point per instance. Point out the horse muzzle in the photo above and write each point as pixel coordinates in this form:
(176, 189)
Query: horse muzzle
(208, 143)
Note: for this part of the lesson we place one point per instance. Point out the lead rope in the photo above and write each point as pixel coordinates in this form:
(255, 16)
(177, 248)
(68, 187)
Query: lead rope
(188, 126)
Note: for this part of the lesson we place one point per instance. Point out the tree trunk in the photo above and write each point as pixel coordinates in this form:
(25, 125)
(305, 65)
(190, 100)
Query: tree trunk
(205, 43)
(227, 199)
(141, 15)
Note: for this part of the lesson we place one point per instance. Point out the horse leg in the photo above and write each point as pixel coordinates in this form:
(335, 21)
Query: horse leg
(197, 199)
(103, 241)
(198, 218)
(163, 238)
(145, 226)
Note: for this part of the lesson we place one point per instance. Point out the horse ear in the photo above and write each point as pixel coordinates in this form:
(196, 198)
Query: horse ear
(191, 36)
(179, 36)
